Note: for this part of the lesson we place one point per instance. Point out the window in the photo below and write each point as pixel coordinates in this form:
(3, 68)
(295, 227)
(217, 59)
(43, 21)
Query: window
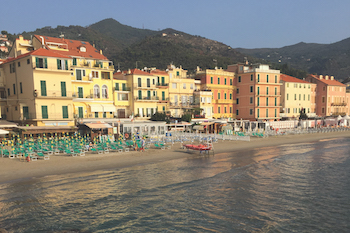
(250, 111)
(184, 86)
(78, 75)
(225, 96)
(140, 95)
(41, 62)
(237, 90)
(267, 78)
(267, 101)
(275, 101)
(219, 110)
(275, 112)
(295, 96)
(139, 84)
(8, 91)
(43, 88)
(287, 96)
(258, 102)
(231, 82)
(191, 86)
(12, 68)
(237, 112)
(80, 112)
(219, 95)
(230, 109)
(154, 81)
(123, 86)
(304, 97)
(163, 95)
(308, 97)
(14, 89)
(251, 77)
(275, 90)
(116, 87)
(28, 61)
(275, 78)
(230, 96)
(65, 112)
(251, 89)
(148, 82)
(177, 73)
(299, 96)
(63, 89)
(258, 90)
(323, 99)
(267, 90)
(104, 91)
(74, 61)
(104, 114)
(258, 77)
(96, 91)
(62, 64)
(225, 81)
(239, 79)
(44, 114)
(25, 112)
(174, 86)
(211, 80)
(218, 80)
(19, 64)
(20, 88)
(258, 113)
(96, 114)
(267, 112)
(225, 110)
(94, 74)
(251, 100)
(80, 92)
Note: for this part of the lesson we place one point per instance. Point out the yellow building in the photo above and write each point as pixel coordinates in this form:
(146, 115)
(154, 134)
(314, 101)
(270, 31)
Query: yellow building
(91, 76)
(297, 94)
(122, 96)
(162, 83)
(143, 92)
(180, 91)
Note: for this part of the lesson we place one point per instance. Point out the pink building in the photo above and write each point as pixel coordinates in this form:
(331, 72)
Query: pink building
(331, 97)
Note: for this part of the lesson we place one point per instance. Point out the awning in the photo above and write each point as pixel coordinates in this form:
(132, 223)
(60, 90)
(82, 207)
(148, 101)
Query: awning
(207, 123)
(3, 131)
(198, 127)
(102, 108)
(98, 125)
(96, 108)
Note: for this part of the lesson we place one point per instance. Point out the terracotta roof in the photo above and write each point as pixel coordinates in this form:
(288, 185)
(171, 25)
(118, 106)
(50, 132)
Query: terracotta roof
(161, 72)
(328, 81)
(39, 52)
(73, 47)
(136, 72)
(291, 79)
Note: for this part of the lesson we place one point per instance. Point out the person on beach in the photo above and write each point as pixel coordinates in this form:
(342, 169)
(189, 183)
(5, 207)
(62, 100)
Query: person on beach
(143, 143)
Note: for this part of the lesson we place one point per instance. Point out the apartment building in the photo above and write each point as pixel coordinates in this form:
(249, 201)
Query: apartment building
(258, 92)
(331, 96)
(297, 94)
(221, 84)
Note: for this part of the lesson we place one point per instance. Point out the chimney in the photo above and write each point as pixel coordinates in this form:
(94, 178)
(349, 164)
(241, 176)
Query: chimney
(129, 71)
(100, 51)
(332, 77)
(321, 76)
(326, 77)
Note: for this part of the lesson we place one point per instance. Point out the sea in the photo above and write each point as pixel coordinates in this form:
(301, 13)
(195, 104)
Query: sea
(301, 187)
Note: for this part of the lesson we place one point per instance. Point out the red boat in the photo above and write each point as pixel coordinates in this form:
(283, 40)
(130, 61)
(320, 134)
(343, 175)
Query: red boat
(200, 147)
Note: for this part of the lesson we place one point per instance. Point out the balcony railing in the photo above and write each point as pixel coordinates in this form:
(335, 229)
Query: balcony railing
(268, 93)
(224, 101)
(49, 116)
(181, 105)
(53, 94)
(122, 89)
(147, 98)
(338, 104)
(163, 99)
(164, 85)
(144, 86)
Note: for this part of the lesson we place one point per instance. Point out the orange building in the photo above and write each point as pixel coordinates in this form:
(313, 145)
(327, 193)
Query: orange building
(221, 83)
(331, 98)
(258, 94)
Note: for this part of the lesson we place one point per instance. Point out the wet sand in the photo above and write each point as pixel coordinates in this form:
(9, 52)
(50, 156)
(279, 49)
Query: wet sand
(14, 169)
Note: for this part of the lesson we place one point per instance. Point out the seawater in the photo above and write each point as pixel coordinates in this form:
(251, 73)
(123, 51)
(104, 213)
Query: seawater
(289, 188)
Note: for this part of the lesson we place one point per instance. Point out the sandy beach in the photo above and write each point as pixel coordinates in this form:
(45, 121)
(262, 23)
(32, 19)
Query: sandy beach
(14, 169)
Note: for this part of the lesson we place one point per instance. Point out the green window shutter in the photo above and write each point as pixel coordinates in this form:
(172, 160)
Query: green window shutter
(74, 61)
(225, 95)
(218, 80)
(117, 86)
(80, 112)
(43, 88)
(96, 114)
(65, 112)
(63, 89)
(163, 81)
(25, 112)
(80, 92)
(78, 77)
(225, 81)
(124, 86)
(149, 94)
(59, 64)
(140, 95)
(45, 64)
(211, 80)
(163, 95)
(66, 62)
(44, 112)
(37, 62)
(258, 101)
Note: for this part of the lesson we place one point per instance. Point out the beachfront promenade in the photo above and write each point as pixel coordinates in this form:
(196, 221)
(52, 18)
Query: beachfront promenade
(62, 163)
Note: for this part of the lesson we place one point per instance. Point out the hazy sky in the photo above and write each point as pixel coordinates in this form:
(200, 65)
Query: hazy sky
(237, 23)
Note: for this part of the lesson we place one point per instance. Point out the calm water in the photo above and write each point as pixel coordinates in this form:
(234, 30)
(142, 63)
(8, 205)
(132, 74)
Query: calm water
(290, 188)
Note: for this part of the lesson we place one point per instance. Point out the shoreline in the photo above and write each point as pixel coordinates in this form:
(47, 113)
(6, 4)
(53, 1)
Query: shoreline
(12, 170)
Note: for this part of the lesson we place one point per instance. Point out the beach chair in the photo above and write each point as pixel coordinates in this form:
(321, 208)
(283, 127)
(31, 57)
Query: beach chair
(42, 155)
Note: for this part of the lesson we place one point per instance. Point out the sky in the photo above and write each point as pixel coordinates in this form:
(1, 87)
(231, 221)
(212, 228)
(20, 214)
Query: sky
(237, 23)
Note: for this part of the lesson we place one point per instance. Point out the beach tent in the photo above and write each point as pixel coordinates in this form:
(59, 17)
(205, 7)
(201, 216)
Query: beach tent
(346, 120)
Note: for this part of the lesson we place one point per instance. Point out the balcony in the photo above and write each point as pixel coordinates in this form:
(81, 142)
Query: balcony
(48, 117)
(122, 89)
(180, 105)
(145, 86)
(224, 101)
(268, 93)
(88, 96)
(52, 94)
(339, 104)
(162, 85)
(147, 98)
(161, 100)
